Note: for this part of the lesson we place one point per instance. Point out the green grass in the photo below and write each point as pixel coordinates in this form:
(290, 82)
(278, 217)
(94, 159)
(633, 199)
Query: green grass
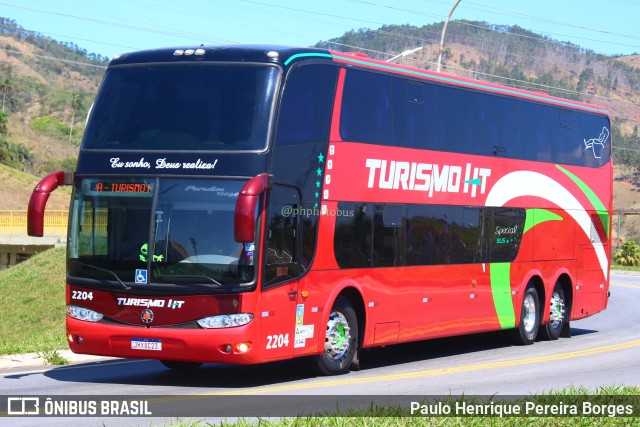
(33, 312)
(615, 266)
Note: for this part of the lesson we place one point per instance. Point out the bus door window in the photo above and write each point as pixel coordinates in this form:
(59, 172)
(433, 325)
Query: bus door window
(281, 239)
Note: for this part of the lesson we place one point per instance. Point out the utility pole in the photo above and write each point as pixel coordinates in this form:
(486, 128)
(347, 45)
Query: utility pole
(444, 29)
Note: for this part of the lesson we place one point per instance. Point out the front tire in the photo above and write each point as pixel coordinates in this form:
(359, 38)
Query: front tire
(557, 315)
(341, 339)
(527, 329)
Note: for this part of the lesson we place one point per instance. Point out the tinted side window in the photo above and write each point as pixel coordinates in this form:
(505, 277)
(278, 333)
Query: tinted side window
(353, 236)
(305, 112)
(427, 235)
(465, 236)
(366, 108)
(413, 235)
(506, 233)
(388, 236)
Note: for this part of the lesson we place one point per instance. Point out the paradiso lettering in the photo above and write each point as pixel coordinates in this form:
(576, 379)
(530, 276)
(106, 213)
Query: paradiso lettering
(427, 177)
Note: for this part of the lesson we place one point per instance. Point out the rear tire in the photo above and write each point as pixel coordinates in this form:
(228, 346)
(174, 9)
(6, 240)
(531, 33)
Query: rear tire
(341, 339)
(557, 314)
(181, 366)
(527, 329)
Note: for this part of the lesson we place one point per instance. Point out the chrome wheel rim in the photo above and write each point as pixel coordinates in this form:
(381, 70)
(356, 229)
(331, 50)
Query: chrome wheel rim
(338, 336)
(556, 312)
(529, 315)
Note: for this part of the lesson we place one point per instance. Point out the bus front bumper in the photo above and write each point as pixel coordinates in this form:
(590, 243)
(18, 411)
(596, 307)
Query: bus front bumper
(228, 345)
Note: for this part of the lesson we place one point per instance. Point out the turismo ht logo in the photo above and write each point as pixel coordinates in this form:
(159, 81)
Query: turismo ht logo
(428, 177)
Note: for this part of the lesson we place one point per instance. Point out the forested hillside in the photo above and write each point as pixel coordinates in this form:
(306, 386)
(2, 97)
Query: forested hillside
(47, 88)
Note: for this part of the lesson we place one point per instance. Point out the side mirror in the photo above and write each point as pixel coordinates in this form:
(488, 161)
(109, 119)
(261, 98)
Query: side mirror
(244, 221)
(39, 197)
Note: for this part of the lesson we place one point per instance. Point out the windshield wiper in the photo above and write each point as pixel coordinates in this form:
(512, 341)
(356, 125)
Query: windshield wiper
(188, 276)
(104, 270)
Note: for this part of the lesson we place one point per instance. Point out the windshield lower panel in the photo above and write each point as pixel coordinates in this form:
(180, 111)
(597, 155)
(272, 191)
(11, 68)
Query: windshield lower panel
(160, 233)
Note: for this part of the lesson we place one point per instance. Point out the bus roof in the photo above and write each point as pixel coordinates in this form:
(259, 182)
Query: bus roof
(286, 56)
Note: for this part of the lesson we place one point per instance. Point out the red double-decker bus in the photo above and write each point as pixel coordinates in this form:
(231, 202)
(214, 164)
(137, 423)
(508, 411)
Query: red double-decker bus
(251, 204)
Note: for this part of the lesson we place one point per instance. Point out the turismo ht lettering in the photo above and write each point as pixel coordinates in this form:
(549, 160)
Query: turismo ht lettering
(149, 302)
(427, 177)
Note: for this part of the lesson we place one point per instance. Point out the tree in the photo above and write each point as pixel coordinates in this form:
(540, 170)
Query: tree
(4, 123)
(5, 88)
(76, 103)
(628, 254)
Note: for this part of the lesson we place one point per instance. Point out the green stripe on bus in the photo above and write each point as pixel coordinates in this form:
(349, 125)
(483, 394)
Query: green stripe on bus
(593, 198)
(538, 216)
(500, 274)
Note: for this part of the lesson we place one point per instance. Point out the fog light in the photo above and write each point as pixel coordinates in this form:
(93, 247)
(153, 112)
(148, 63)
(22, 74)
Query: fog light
(79, 340)
(227, 348)
(243, 347)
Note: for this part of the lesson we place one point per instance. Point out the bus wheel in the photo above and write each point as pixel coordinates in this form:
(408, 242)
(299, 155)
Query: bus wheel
(181, 366)
(557, 313)
(341, 339)
(527, 329)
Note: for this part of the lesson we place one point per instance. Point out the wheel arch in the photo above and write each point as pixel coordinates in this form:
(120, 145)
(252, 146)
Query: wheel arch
(563, 278)
(534, 278)
(351, 290)
(355, 298)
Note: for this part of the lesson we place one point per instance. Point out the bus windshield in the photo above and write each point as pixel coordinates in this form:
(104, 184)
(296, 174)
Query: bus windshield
(196, 107)
(157, 232)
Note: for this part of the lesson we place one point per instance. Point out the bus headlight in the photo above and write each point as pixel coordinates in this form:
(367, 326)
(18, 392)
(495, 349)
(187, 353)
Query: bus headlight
(83, 314)
(225, 321)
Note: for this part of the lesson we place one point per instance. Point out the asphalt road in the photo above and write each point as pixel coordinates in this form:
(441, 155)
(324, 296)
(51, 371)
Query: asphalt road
(603, 351)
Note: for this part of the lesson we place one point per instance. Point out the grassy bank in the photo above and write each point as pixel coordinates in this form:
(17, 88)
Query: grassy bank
(33, 312)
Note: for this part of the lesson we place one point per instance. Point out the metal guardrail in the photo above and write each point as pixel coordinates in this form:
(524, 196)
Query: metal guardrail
(14, 223)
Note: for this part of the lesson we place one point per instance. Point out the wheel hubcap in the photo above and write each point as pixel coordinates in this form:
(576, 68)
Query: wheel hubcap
(556, 315)
(338, 336)
(529, 318)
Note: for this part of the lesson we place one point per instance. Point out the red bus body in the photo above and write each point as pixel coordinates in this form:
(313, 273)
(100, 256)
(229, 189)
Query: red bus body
(378, 217)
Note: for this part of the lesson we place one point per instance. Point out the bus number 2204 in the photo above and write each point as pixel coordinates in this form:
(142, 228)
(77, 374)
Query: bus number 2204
(81, 295)
(277, 341)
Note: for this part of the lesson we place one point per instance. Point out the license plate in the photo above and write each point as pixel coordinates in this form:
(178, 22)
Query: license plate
(146, 344)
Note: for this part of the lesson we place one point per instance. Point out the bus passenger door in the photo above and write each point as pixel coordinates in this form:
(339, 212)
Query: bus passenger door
(281, 268)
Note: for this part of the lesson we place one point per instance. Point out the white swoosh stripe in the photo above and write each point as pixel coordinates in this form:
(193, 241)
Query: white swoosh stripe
(527, 183)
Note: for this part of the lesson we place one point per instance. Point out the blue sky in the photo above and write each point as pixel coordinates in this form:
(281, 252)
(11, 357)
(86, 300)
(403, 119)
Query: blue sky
(109, 27)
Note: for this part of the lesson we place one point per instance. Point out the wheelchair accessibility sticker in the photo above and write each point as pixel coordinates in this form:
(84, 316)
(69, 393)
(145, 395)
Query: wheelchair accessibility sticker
(141, 276)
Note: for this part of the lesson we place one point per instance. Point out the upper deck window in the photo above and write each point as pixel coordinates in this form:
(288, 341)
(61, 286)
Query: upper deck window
(195, 107)
(388, 109)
